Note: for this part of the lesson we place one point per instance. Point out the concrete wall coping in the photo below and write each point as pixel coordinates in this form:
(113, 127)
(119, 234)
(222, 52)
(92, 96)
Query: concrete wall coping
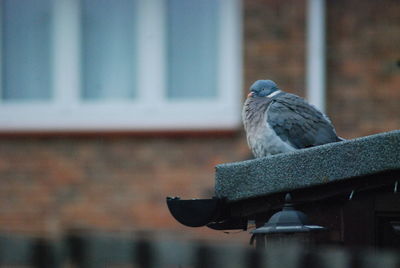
(308, 167)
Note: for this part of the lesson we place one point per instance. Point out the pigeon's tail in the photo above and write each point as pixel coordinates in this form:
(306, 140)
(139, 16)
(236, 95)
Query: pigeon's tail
(340, 139)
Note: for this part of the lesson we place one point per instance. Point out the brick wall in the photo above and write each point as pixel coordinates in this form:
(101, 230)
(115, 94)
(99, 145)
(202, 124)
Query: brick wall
(274, 37)
(363, 66)
(120, 183)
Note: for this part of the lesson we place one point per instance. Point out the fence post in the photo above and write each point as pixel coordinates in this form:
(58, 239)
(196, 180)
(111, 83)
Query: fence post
(143, 253)
(46, 254)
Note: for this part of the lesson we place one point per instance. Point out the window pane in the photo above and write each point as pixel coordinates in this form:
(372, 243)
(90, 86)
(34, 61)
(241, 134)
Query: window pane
(26, 49)
(192, 48)
(108, 50)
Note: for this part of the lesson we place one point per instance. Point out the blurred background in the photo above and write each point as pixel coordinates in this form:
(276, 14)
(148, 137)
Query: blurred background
(107, 107)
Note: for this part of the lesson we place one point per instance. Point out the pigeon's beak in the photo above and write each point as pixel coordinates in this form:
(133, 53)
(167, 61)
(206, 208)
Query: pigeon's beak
(250, 94)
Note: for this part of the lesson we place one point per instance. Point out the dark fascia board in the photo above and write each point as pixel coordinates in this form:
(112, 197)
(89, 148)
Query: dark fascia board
(337, 192)
(308, 168)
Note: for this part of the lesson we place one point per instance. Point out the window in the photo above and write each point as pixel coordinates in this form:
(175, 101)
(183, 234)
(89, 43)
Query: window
(192, 48)
(120, 65)
(108, 53)
(26, 68)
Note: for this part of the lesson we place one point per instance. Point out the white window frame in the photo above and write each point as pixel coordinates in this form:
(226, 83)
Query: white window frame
(150, 110)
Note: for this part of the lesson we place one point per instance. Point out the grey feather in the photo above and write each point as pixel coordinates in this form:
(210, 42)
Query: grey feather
(277, 122)
(299, 123)
(261, 138)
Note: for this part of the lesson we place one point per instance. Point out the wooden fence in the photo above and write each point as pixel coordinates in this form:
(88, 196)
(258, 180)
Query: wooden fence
(88, 250)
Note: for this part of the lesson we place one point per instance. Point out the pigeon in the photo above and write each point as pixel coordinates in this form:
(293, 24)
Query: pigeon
(279, 122)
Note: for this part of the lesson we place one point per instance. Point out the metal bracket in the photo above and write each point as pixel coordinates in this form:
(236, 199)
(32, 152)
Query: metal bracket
(351, 195)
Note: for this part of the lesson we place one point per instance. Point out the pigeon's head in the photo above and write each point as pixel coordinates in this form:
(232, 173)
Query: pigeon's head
(263, 88)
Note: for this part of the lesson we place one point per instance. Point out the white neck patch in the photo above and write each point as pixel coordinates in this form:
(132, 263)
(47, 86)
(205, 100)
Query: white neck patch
(273, 94)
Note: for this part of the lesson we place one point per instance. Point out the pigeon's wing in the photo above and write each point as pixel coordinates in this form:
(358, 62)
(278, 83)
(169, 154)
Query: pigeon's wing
(299, 123)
